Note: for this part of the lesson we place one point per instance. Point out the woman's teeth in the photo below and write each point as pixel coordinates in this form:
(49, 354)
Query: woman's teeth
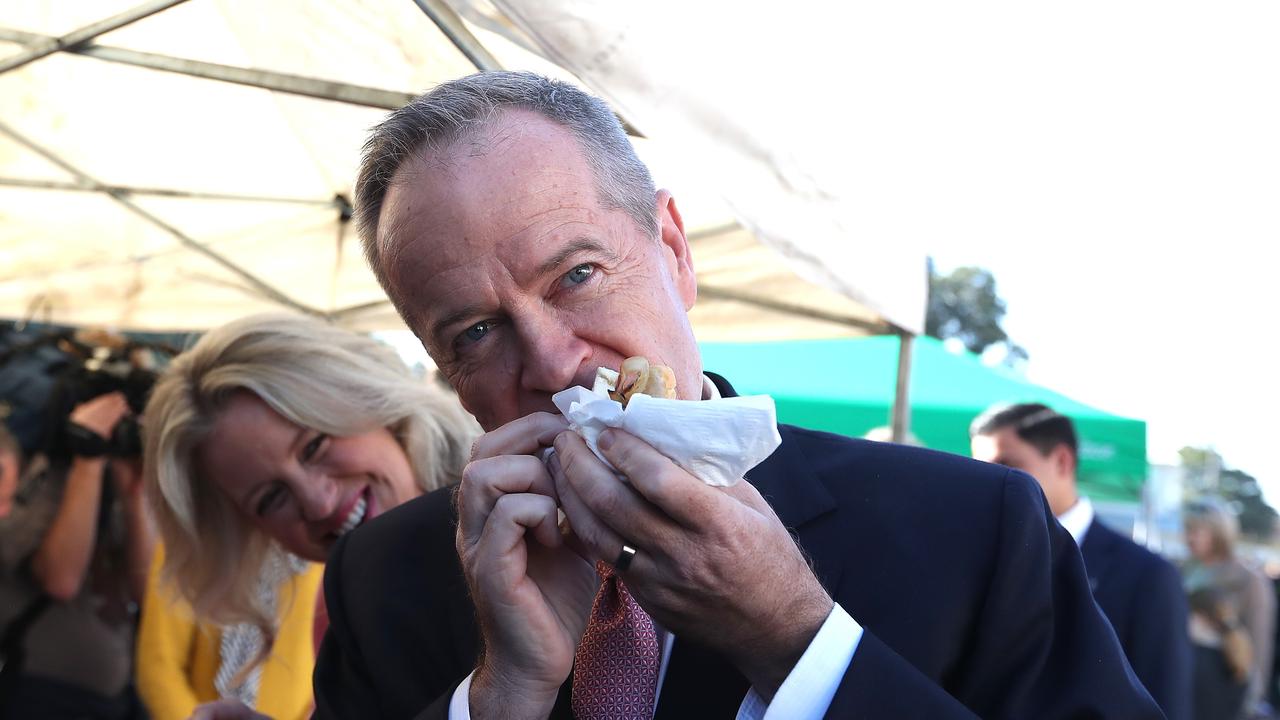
(353, 520)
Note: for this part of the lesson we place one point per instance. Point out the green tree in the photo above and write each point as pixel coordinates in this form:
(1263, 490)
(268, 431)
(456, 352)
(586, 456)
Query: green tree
(1201, 470)
(964, 305)
(1206, 475)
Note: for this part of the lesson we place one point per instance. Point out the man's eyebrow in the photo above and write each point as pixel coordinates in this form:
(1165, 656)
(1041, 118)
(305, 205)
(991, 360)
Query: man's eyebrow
(453, 318)
(550, 265)
(573, 248)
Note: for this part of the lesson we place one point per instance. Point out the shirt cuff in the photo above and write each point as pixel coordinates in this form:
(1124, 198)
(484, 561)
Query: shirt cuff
(810, 687)
(460, 704)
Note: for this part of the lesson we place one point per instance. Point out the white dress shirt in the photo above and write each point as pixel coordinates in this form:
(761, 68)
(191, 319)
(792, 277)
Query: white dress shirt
(805, 694)
(1077, 519)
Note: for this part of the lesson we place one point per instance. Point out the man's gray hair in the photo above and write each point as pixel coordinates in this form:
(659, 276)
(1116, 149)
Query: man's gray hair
(443, 116)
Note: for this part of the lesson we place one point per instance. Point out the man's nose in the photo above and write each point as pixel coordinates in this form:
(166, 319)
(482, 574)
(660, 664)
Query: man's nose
(551, 354)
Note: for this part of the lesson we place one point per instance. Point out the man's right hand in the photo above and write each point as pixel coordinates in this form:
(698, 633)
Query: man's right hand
(532, 598)
(101, 414)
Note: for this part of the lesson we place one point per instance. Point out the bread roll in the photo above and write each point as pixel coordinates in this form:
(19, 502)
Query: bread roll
(638, 377)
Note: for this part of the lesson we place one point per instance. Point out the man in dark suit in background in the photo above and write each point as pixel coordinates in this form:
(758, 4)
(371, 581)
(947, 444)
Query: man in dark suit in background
(525, 244)
(1140, 592)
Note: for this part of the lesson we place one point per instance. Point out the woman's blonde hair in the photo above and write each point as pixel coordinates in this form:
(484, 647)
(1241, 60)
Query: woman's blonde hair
(1221, 522)
(317, 376)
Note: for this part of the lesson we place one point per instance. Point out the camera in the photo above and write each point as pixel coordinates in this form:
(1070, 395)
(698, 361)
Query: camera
(83, 382)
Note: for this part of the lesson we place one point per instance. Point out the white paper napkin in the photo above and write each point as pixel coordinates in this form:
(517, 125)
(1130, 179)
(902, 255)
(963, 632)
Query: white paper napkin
(716, 441)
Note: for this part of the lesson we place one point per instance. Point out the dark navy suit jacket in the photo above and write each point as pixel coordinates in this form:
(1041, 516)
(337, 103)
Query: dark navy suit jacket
(1141, 594)
(974, 600)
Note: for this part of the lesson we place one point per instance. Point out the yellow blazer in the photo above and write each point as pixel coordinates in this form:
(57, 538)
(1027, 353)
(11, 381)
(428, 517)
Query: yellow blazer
(177, 657)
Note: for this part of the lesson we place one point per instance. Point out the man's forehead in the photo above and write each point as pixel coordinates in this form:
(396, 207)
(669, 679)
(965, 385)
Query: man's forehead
(431, 243)
(984, 446)
(514, 193)
(1006, 436)
(1002, 440)
(490, 182)
(506, 151)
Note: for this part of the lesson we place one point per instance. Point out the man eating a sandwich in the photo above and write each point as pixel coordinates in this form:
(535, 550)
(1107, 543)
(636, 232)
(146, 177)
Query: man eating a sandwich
(520, 238)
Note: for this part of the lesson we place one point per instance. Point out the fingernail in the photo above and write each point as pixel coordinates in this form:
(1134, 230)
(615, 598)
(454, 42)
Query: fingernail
(605, 440)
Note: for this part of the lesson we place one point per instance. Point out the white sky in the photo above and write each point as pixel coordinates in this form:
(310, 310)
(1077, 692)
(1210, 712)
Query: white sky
(1117, 166)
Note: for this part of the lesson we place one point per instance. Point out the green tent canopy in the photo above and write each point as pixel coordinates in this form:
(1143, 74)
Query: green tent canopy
(846, 386)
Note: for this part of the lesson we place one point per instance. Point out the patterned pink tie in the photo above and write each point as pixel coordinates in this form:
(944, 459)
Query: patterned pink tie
(615, 672)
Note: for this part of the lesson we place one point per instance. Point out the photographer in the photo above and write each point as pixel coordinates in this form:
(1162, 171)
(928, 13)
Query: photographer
(10, 467)
(74, 554)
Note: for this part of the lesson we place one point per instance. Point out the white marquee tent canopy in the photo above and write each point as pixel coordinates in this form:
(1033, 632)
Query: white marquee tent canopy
(172, 165)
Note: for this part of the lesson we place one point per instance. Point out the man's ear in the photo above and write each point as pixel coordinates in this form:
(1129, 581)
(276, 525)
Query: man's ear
(1064, 461)
(676, 248)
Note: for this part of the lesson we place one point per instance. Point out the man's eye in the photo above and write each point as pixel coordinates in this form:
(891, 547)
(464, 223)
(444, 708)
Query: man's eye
(578, 275)
(477, 331)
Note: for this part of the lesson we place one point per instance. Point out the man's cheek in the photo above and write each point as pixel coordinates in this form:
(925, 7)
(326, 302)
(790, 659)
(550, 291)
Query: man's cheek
(482, 397)
(466, 394)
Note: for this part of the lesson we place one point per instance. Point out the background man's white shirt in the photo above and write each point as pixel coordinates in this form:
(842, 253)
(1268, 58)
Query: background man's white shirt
(1077, 519)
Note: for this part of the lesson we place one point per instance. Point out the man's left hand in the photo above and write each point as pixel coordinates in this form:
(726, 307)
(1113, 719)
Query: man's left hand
(712, 564)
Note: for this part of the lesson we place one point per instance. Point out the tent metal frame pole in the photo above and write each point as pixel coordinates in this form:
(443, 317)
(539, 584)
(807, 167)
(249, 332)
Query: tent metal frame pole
(451, 25)
(51, 45)
(254, 282)
(717, 293)
(453, 28)
(900, 417)
(158, 192)
(714, 231)
(346, 312)
(249, 77)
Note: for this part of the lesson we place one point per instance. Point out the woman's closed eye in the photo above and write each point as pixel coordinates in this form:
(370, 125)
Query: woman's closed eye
(271, 500)
(313, 448)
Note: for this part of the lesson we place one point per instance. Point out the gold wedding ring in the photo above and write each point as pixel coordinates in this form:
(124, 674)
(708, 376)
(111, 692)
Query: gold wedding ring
(624, 558)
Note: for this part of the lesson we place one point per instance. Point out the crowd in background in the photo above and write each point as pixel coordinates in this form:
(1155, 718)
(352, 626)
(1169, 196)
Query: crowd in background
(114, 609)
(99, 618)
(1201, 638)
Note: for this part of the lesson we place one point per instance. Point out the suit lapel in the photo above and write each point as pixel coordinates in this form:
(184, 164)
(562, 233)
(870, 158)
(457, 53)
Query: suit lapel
(699, 683)
(702, 683)
(1097, 551)
(787, 480)
(803, 504)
